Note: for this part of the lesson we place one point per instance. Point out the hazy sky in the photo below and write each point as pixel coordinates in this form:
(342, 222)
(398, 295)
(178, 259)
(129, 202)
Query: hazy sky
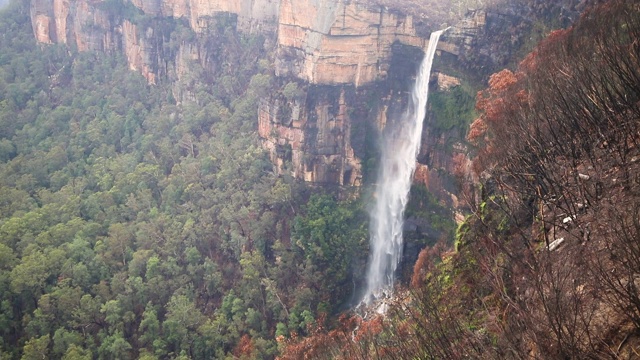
(3, 3)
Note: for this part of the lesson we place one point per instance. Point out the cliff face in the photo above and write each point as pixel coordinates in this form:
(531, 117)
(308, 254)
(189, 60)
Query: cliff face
(313, 135)
(253, 15)
(351, 64)
(337, 43)
(338, 50)
(61, 21)
(340, 44)
(319, 41)
(89, 25)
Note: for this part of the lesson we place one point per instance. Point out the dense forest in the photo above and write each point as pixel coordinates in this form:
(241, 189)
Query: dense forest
(146, 221)
(134, 226)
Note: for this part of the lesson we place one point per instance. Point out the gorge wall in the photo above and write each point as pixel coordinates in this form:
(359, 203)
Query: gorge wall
(319, 41)
(347, 64)
(331, 48)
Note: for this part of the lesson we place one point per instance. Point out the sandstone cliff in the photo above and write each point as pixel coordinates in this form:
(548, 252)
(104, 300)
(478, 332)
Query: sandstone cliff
(319, 41)
(313, 135)
(344, 44)
(337, 43)
(351, 62)
(347, 45)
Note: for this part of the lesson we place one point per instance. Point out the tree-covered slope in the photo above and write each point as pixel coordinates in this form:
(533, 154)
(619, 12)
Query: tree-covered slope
(132, 226)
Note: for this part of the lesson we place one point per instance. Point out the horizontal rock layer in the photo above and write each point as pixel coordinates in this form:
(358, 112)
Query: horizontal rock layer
(345, 44)
(319, 41)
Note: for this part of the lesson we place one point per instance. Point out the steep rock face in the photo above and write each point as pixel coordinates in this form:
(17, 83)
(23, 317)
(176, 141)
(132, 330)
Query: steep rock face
(69, 22)
(328, 133)
(318, 42)
(461, 37)
(253, 15)
(313, 135)
(88, 25)
(487, 40)
(338, 43)
(138, 51)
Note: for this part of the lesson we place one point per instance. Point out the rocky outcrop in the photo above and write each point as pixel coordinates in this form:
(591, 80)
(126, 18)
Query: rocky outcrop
(253, 15)
(318, 41)
(138, 51)
(312, 136)
(487, 40)
(445, 82)
(338, 43)
(341, 44)
(461, 37)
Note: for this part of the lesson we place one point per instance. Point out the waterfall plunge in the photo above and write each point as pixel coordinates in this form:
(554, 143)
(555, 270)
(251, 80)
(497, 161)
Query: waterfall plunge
(398, 163)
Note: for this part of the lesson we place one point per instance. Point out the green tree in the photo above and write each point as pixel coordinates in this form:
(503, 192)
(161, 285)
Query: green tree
(331, 237)
(115, 347)
(37, 348)
(75, 352)
(64, 340)
(149, 326)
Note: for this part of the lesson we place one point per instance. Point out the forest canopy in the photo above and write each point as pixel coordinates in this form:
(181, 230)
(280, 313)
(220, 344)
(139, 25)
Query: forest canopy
(137, 225)
(146, 221)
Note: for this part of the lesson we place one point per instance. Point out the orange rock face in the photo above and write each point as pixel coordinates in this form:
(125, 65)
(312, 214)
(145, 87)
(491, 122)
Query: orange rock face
(421, 176)
(318, 150)
(77, 22)
(42, 28)
(339, 43)
(319, 41)
(446, 82)
(136, 52)
(61, 11)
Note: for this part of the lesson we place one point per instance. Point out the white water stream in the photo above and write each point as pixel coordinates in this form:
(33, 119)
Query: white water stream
(398, 162)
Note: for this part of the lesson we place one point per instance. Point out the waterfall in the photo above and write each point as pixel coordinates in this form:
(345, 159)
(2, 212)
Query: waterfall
(395, 174)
